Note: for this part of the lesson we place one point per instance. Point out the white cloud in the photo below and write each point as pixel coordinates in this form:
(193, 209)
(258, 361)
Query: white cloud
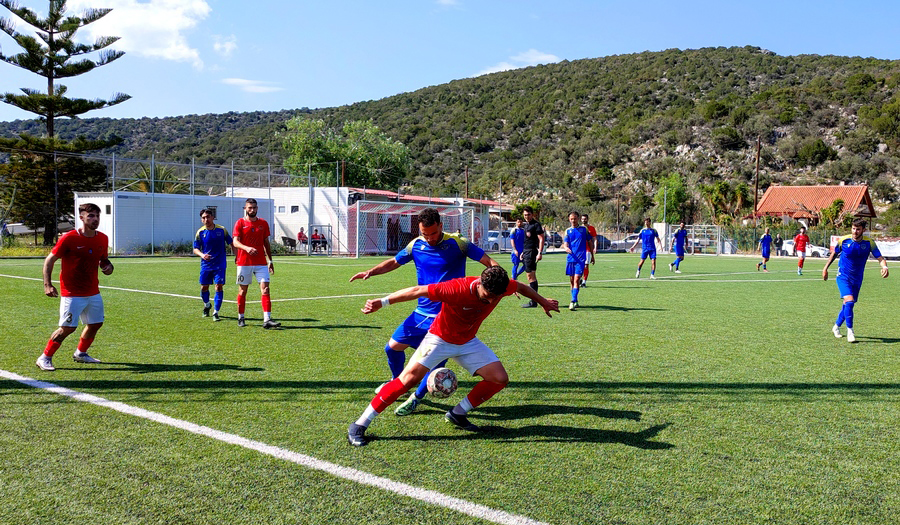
(448, 3)
(154, 28)
(252, 86)
(532, 57)
(225, 45)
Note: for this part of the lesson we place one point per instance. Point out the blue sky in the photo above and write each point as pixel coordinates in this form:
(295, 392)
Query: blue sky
(214, 56)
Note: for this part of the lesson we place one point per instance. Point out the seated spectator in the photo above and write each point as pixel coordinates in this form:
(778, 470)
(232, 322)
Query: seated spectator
(301, 236)
(318, 241)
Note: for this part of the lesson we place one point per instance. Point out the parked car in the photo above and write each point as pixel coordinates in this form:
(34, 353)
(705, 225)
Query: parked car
(552, 240)
(602, 243)
(626, 243)
(811, 249)
(498, 241)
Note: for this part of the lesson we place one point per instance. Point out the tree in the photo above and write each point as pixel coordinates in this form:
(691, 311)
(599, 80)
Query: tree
(56, 56)
(671, 197)
(368, 157)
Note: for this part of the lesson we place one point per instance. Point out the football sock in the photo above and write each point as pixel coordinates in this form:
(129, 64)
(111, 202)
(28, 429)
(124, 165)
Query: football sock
(800, 263)
(204, 294)
(84, 344)
(242, 303)
(462, 408)
(482, 391)
(575, 295)
(51, 348)
(534, 286)
(367, 416)
(840, 318)
(422, 389)
(677, 262)
(266, 303)
(220, 295)
(848, 313)
(388, 394)
(396, 359)
(764, 266)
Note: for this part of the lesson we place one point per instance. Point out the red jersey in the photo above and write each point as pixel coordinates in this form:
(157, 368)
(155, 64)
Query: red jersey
(593, 232)
(800, 242)
(251, 233)
(80, 258)
(462, 312)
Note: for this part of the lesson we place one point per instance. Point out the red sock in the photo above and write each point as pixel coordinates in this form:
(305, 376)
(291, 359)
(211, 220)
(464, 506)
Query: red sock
(84, 344)
(800, 263)
(483, 391)
(388, 394)
(266, 303)
(51, 348)
(242, 303)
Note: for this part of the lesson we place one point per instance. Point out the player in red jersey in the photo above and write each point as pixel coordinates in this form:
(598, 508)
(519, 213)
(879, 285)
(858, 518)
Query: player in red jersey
(466, 302)
(82, 251)
(251, 240)
(800, 242)
(589, 256)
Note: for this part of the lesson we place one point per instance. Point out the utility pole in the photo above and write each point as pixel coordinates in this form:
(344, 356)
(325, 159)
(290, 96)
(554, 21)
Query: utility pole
(756, 189)
(467, 181)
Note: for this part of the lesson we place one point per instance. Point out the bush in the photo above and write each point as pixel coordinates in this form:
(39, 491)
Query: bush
(728, 139)
(815, 153)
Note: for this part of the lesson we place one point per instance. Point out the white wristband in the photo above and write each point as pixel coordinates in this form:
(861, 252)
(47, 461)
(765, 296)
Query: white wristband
(385, 302)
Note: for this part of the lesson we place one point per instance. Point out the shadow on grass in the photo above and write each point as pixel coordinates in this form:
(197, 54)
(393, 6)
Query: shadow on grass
(612, 308)
(877, 340)
(149, 368)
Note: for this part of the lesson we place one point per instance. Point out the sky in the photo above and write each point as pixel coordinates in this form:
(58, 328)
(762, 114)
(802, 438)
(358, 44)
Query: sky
(215, 56)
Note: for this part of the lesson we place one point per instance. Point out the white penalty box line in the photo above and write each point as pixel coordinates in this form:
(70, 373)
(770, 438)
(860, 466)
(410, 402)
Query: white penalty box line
(350, 474)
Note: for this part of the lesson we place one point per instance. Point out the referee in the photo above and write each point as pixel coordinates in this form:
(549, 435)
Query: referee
(531, 250)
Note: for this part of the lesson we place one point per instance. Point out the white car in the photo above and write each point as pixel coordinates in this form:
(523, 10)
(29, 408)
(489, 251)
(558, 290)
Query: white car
(625, 243)
(811, 249)
(497, 241)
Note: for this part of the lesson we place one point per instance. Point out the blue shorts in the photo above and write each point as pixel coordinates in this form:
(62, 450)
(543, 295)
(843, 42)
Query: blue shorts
(679, 252)
(212, 276)
(575, 268)
(766, 254)
(514, 259)
(413, 329)
(648, 253)
(847, 286)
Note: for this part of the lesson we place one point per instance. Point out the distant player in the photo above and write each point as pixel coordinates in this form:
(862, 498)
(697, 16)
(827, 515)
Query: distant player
(648, 238)
(251, 239)
(800, 242)
(578, 244)
(532, 250)
(854, 250)
(593, 232)
(765, 249)
(82, 251)
(517, 237)
(466, 302)
(438, 257)
(209, 245)
(679, 239)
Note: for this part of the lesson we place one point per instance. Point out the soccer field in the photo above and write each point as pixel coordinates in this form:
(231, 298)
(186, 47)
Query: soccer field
(715, 396)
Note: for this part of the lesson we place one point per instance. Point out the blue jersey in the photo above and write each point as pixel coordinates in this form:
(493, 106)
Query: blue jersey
(436, 264)
(212, 242)
(766, 242)
(518, 238)
(648, 236)
(854, 255)
(577, 240)
(680, 238)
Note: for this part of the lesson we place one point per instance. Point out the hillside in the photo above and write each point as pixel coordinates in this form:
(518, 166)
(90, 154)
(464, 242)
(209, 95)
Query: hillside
(582, 132)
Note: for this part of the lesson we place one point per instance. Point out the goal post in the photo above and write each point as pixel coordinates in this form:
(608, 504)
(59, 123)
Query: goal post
(384, 228)
(702, 238)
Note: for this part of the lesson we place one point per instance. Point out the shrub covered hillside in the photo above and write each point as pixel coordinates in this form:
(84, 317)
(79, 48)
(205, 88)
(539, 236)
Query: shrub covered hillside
(584, 132)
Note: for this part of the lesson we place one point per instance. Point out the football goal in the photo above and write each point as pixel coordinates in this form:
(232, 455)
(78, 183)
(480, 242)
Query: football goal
(383, 228)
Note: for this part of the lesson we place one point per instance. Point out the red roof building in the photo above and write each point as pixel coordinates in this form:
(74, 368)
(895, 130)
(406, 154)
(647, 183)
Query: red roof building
(805, 202)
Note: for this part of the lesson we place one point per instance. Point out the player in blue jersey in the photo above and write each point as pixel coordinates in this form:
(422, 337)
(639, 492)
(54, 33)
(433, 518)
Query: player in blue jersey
(577, 243)
(517, 237)
(439, 257)
(679, 239)
(854, 250)
(765, 249)
(648, 238)
(209, 245)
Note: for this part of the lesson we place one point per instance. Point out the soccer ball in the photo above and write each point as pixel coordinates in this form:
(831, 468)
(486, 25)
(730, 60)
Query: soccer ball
(442, 382)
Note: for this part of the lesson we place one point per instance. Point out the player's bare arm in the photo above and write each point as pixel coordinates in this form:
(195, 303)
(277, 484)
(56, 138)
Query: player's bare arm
(540, 247)
(49, 289)
(241, 246)
(487, 261)
(388, 265)
(591, 247)
(268, 248)
(549, 305)
(204, 256)
(400, 296)
(830, 260)
(106, 266)
(884, 267)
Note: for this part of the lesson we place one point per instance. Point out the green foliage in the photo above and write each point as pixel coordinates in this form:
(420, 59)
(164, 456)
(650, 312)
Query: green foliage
(885, 120)
(728, 139)
(890, 219)
(671, 198)
(815, 152)
(834, 215)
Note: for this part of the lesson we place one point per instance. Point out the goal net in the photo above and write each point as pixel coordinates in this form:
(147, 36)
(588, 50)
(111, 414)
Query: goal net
(383, 228)
(702, 238)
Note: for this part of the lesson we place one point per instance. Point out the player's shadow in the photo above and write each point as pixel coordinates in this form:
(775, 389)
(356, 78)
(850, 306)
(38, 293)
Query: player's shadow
(877, 339)
(611, 308)
(511, 413)
(150, 368)
(329, 327)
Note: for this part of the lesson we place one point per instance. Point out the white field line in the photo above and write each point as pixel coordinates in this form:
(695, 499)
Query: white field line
(350, 474)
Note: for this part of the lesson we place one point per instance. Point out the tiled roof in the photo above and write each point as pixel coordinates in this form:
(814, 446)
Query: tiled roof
(806, 201)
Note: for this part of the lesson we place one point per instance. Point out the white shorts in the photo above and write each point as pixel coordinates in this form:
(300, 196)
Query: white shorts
(88, 309)
(245, 274)
(471, 355)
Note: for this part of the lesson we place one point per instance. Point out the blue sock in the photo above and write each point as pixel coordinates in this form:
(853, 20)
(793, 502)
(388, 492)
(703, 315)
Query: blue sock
(205, 296)
(423, 385)
(848, 313)
(396, 360)
(677, 262)
(840, 318)
(515, 272)
(218, 300)
(764, 266)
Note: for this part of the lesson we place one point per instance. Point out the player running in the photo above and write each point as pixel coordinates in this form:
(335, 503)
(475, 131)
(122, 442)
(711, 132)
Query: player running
(593, 232)
(209, 245)
(517, 237)
(765, 249)
(854, 250)
(800, 242)
(466, 302)
(648, 238)
(438, 257)
(679, 239)
(251, 238)
(578, 244)
(82, 251)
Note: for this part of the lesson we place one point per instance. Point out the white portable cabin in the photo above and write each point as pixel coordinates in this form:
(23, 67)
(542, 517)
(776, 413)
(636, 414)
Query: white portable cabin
(133, 221)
